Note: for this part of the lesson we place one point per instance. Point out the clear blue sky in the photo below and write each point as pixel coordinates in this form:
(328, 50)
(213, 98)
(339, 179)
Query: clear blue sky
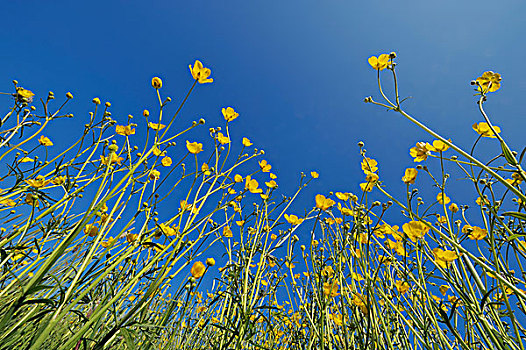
(296, 71)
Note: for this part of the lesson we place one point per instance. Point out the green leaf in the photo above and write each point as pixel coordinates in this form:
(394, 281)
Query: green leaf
(516, 214)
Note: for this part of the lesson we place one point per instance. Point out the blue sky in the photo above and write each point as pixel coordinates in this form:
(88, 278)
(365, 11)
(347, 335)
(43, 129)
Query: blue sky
(296, 71)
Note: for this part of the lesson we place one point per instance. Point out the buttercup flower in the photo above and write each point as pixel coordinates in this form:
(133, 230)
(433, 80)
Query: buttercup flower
(200, 73)
(198, 269)
(415, 230)
(410, 176)
(323, 203)
(227, 232)
(157, 83)
(265, 167)
(444, 258)
(246, 142)
(194, 147)
(124, 130)
(437, 146)
(166, 161)
(222, 139)
(210, 262)
(314, 174)
(478, 233)
(24, 94)
(442, 198)
(489, 81)
(419, 152)
(293, 219)
(252, 185)
(44, 141)
(380, 62)
(402, 286)
(38, 182)
(369, 165)
(229, 114)
(484, 130)
(156, 126)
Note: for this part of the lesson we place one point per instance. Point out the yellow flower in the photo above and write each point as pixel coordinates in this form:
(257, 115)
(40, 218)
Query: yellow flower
(227, 232)
(271, 184)
(489, 81)
(330, 289)
(157, 83)
(238, 178)
(314, 174)
(397, 246)
(360, 301)
(443, 289)
(168, 231)
(481, 201)
(96, 100)
(108, 243)
(38, 182)
(478, 233)
(380, 62)
(200, 73)
(91, 230)
(131, 237)
(124, 130)
(156, 126)
(26, 94)
(210, 262)
(252, 185)
(293, 219)
(146, 113)
(154, 174)
(114, 159)
(372, 179)
(437, 146)
(205, 169)
(229, 114)
(222, 139)
(265, 167)
(342, 196)
(59, 180)
(246, 142)
(44, 141)
(323, 203)
(26, 160)
(442, 198)
(369, 165)
(157, 152)
(444, 258)
(402, 286)
(453, 207)
(166, 161)
(198, 269)
(194, 147)
(7, 202)
(415, 230)
(419, 152)
(31, 199)
(484, 130)
(410, 176)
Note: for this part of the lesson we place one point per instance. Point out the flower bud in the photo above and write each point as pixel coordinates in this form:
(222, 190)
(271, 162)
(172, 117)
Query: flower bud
(69, 95)
(157, 83)
(96, 100)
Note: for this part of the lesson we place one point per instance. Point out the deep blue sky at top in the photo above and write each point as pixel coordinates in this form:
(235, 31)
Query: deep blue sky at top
(296, 71)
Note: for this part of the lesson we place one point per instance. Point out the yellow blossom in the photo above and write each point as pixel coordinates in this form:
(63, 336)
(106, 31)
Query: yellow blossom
(477, 233)
(402, 286)
(124, 130)
(437, 146)
(26, 94)
(314, 174)
(198, 269)
(229, 114)
(397, 246)
(38, 182)
(489, 81)
(444, 258)
(26, 160)
(156, 126)
(415, 230)
(342, 196)
(157, 83)
(154, 174)
(96, 100)
(205, 169)
(91, 230)
(481, 201)
(369, 165)
(238, 178)
(222, 139)
(108, 243)
(380, 62)
(166, 161)
(330, 289)
(44, 141)
(360, 301)
(271, 184)
(252, 185)
(273, 176)
(246, 142)
(293, 219)
(443, 289)
(484, 130)
(194, 147)
(410, 176)
(227, 232)
(264, 166)
(157, 152)
(419, 152)
(200, 73)
(453, 207)
(442, 198)
(210, 262)
(323, 203)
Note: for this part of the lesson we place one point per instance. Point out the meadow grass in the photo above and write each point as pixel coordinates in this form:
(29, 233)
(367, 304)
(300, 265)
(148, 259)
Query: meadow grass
(111, 243)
